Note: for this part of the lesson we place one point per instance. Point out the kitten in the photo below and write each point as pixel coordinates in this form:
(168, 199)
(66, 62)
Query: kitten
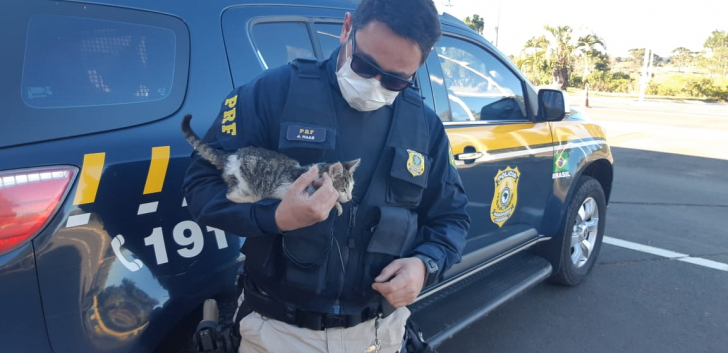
(254, 173)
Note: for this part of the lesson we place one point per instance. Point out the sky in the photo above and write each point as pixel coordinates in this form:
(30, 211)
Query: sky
(623, 24)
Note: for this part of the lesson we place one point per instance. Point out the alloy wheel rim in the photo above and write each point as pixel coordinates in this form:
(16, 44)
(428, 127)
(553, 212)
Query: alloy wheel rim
(584, 232)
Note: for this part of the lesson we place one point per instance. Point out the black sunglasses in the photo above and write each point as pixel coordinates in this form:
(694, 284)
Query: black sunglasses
(366, 69)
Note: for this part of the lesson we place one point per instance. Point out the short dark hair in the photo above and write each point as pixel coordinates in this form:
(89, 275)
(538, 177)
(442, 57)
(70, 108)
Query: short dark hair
(416, 20)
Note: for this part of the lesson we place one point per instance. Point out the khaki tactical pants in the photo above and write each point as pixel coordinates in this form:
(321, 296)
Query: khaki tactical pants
(263, 335)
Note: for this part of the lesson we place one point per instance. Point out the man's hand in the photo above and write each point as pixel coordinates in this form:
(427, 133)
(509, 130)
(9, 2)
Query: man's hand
(298, 209)
(401, 281)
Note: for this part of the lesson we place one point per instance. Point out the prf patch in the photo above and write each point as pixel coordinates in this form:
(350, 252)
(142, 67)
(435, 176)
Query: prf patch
(229, 126)
(415, 163)
(303, 133)
(561, 165)
(505, 197)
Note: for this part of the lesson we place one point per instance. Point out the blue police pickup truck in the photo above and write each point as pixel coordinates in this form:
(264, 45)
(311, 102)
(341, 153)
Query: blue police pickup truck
(98, 252)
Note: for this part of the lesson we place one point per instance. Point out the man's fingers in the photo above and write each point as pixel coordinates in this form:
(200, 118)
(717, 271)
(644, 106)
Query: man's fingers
(326, 194)
(388, 272)
(393, 286)
(305, 180)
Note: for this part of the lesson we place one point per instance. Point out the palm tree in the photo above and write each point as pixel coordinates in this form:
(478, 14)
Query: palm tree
(589, 47)
(533, 60)
(550, 58)
(561, 51)
(476, 23)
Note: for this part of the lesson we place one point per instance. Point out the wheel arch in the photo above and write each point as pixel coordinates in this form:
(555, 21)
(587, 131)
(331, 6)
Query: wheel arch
(601, 170)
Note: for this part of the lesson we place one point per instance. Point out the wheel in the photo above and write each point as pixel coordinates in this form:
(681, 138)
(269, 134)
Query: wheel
(583, 231)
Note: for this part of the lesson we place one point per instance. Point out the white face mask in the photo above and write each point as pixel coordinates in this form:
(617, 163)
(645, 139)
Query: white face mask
(362, 94)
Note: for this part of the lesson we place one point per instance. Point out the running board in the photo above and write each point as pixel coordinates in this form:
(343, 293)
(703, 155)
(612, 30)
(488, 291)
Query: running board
(446, 312)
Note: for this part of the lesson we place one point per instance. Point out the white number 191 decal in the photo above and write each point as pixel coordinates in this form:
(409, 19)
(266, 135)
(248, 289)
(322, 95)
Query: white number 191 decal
(186, 234)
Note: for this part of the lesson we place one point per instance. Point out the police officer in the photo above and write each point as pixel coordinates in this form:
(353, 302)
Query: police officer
(316, 281)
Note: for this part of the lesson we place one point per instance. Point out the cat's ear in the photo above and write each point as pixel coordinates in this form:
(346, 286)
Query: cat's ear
(351, 165)
(336, 168)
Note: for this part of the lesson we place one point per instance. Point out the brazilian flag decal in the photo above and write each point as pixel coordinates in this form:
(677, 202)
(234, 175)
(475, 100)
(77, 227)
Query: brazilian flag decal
(561, 162)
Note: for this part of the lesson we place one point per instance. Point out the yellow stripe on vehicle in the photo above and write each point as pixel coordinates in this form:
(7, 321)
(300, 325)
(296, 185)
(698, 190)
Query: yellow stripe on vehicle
(88, 184)
(490, 138)
(577, 130)
(157, 170)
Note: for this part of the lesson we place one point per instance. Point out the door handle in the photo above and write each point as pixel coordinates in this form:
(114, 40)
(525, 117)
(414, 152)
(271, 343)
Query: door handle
(468, 156)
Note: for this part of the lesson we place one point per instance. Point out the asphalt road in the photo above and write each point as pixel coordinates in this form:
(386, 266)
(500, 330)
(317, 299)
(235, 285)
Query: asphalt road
(670, 193)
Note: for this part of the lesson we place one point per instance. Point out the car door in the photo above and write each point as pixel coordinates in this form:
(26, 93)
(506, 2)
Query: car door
(503, 155)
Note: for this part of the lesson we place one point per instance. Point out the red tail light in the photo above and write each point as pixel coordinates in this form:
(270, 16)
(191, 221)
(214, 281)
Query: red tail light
(28, 199)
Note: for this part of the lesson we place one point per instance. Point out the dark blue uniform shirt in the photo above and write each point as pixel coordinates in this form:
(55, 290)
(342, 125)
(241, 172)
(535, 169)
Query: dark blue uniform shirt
(258, 107)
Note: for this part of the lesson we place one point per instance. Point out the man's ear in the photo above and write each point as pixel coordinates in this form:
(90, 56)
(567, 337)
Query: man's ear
(345, 29)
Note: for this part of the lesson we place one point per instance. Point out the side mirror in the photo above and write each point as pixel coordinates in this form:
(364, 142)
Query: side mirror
(551, 105)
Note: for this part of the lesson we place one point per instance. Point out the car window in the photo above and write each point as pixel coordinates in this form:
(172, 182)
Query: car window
(479, 86)
(328, 35)
(278, 43)
(80, 69)
(79, 62)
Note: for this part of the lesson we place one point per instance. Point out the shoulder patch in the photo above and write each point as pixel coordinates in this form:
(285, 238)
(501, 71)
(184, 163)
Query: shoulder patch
(228, 124)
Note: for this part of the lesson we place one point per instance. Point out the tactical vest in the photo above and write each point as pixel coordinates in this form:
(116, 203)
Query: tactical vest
(329, 267)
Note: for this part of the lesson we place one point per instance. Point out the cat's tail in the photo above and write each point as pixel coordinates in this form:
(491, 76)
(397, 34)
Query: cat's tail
(214, 156)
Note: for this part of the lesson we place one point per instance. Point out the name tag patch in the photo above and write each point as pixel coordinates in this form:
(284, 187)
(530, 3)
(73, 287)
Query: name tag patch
(303, 133)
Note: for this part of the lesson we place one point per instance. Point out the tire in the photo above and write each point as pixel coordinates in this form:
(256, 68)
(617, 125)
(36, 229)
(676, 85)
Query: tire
(582, 232)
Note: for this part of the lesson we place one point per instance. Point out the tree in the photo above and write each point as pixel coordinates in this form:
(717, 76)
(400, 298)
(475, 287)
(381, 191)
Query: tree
(589, 47)
(638, 57)
(716, 53)
(550, 58)
(561, 50)
(682, 57)
(534, 62)
(476, 23)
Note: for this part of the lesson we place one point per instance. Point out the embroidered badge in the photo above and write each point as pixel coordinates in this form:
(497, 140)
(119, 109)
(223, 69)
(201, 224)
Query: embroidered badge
(505, 197)
(303, 133)
(415, 163)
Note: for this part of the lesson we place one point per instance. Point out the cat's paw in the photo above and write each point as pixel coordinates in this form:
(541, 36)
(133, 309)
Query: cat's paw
(339, 208)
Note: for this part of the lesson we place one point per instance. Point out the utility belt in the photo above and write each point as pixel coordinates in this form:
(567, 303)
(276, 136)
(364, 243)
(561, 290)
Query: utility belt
(265, 306)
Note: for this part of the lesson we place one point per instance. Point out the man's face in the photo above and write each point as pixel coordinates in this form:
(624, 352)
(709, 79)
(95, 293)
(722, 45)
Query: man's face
(380, 46)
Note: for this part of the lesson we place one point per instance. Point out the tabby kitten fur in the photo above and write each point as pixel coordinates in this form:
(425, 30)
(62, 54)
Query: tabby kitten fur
(254, 173)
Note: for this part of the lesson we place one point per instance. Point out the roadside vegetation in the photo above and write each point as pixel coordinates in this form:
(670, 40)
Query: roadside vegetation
(562, 58)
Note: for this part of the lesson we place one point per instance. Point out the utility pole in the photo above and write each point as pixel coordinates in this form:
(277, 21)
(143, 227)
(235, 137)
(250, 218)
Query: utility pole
(497, 25)
(644, 80)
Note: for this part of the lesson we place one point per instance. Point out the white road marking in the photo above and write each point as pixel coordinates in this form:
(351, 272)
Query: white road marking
(150, 207)
(184, 202)
(666, 253)
(78, 220)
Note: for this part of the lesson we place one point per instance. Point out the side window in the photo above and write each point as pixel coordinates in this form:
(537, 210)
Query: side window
(479, 86)
(278, 43)
(71, 69)
(328, 35)
(81, 62)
